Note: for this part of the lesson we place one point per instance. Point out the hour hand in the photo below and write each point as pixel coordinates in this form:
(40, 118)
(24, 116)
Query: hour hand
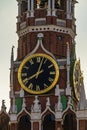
(35, 75)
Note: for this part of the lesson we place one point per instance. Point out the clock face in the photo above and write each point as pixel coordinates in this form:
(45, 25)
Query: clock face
(77, 79)
(38, 73)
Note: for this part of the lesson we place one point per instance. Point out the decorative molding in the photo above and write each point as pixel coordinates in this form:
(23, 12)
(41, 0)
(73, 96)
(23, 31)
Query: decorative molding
(46, 28)
(23, 25)
(40, 44)
(36, 107)
(13, 118)
(47, 108)
(69, 107)
(40, 21)
(23, 110)
(61, 22)
(81, 114)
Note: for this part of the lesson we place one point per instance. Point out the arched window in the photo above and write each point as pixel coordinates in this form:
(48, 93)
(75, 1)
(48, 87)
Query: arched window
(70, 122)
(24, 123)
(49, 122)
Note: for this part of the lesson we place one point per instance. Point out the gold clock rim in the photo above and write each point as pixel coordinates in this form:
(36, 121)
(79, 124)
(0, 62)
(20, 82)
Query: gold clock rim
(77, 95)
(49, 87)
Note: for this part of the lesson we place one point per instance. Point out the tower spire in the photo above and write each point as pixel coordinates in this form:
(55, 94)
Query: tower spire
(12, 56)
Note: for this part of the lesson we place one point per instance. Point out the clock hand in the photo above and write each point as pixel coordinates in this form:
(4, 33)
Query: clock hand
(39, 67)
(34, 75)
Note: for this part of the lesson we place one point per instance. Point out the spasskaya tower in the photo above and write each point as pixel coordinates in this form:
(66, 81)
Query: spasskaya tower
(46, 82)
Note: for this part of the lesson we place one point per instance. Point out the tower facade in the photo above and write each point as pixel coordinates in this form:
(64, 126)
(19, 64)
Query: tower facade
(46, 82)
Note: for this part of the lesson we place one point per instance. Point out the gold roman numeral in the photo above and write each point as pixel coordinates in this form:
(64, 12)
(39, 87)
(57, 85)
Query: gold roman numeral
(38, 59)
(26, 67)
(52, 73)
(24, 74)
(37, 88)
(50, 66)
(30, 86)
(45, 61)
(31, 62)
(45, 85)
(50, 80)
(25, 81)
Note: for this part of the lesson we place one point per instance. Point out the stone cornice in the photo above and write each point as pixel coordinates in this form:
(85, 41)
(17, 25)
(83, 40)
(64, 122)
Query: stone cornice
(46, 28)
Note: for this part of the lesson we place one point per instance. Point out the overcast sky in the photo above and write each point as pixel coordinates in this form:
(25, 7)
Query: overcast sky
(8, 37)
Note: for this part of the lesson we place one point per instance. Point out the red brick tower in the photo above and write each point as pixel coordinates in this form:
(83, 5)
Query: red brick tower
(46, 84)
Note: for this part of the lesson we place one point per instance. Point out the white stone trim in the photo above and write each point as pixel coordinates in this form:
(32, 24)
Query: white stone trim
(11, 122)
(13, 118)
(77, 124)
(61, 22)
(23, 25)
(49, 8)
(40, 44)
(82, 114)
(32, 8)
(68, 107)
(23, 109)
(69, 4)
(19, 10)
(28, 5)
(58, 116)
(45, 28)
(40, 20)
(53, 8)
(35, 116)
(47, 108)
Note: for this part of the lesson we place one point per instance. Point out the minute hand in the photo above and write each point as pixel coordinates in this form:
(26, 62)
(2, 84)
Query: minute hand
(39, 67)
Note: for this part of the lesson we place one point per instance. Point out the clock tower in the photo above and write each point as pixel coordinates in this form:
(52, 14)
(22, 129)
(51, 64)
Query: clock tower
(46, 82)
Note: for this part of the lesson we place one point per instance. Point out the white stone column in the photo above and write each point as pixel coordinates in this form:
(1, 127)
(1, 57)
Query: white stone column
(32, 8)
(68, 89)
(28, 12)
(53, 8)
(49, 8)
(69, 5)
(19, 10)
(77, 124)
(68, 65)
(31, 125)
(28, 5)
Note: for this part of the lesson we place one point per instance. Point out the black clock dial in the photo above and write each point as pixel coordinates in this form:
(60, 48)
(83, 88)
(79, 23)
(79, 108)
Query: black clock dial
(38, 73)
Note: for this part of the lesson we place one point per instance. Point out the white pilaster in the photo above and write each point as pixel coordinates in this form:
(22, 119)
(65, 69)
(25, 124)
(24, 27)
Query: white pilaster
(57, 90)
(68, 89)
(49, 8)
(13, 107)
(21, 93)
(48, 102)
(24, 104)
(19, 10)
(28, 12)
(28, 5)
(69, 5)
(53, 8)
(32, 8)
(31, 125)
(11, 73)
(77, 124)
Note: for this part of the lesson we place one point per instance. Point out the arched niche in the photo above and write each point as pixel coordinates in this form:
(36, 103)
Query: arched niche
(24, 123)
(4, 121)
(70, 122)
(49, 122)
